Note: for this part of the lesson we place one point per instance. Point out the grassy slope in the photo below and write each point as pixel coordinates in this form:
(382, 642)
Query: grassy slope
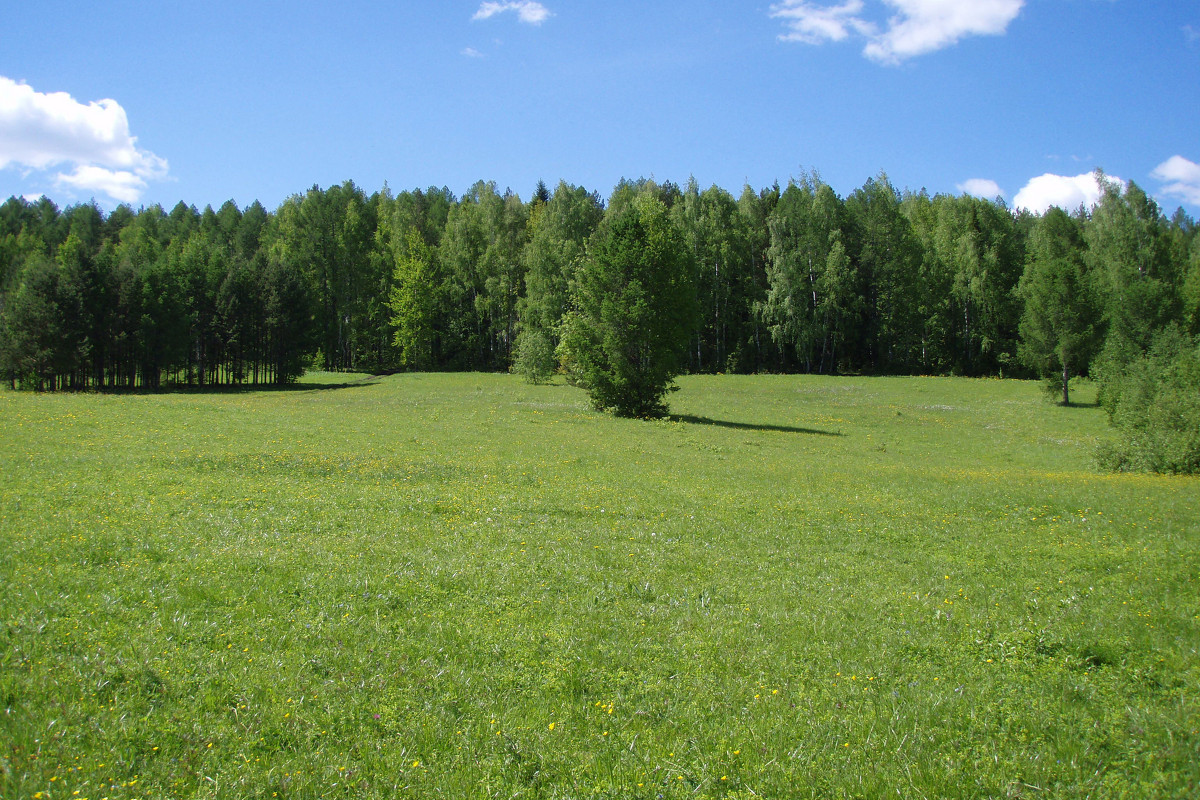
(462, 584)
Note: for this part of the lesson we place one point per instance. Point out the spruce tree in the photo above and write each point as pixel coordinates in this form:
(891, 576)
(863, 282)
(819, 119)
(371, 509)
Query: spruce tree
(634, 311)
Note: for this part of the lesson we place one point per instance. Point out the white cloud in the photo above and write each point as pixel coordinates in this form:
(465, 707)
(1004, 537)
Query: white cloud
(528, 11)
(1068, 193)
(121, 185)
(982, 188)
(917, 26)
(815, 24)
(471, 52)
(40, 131)
(923, 26)
(1182, 179)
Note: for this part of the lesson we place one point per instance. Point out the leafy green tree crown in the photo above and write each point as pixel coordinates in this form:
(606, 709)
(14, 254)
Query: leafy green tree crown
(634, 310)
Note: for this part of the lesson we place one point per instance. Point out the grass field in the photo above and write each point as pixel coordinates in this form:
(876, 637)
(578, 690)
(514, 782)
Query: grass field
(464, 586)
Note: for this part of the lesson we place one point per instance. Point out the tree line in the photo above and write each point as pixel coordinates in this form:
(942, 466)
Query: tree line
(785, 279)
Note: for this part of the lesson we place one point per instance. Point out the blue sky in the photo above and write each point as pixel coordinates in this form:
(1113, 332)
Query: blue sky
(205, 102)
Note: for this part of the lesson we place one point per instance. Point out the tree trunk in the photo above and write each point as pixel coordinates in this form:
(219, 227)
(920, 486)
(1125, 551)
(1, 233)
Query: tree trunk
(1066, 378)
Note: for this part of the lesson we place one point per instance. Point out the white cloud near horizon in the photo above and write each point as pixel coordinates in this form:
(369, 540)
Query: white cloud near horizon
(1066, 192)
(917, 27)
(1182, 179)
(528, 11)
(39, 132)
(121, 185)
(982, 188)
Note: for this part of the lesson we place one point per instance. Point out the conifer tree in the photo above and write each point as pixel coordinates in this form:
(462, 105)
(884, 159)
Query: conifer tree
(634, 311)
(1058, 327)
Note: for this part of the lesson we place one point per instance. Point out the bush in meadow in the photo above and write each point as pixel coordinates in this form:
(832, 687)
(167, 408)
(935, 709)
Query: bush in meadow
(1154, 403)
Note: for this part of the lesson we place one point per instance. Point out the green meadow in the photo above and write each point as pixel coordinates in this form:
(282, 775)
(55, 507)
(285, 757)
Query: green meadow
(464, 586)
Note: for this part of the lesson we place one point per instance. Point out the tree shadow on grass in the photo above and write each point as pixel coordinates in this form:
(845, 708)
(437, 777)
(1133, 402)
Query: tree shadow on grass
(747, 426)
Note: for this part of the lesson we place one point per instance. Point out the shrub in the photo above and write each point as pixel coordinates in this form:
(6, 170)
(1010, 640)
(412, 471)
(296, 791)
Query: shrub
(1154, 403)
(534, 356)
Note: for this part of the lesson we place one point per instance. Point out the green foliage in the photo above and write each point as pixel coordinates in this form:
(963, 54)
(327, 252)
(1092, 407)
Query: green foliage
(391, 588)
(558, 232)
(785, 281)
(1154, 403)
(718, 236)
(329, 238)
(481, 253)
(1191, 290)
(886, 251)
(1128, 252)
(413, 299)
(812, 301)
(979, 243)
(39, 344)
(290, 333)
(1059, 322)
(535, 357)
(635, 306)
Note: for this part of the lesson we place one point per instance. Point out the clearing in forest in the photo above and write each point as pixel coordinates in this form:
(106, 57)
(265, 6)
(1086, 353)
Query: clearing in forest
(467, 586)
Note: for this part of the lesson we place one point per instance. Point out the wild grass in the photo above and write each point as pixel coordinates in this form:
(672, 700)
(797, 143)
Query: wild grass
(464, 586)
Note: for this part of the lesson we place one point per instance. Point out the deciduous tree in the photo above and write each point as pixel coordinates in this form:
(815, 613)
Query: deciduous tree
(413, 300)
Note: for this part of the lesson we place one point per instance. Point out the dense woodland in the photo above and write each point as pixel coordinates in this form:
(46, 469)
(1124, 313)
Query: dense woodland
(792, 279)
